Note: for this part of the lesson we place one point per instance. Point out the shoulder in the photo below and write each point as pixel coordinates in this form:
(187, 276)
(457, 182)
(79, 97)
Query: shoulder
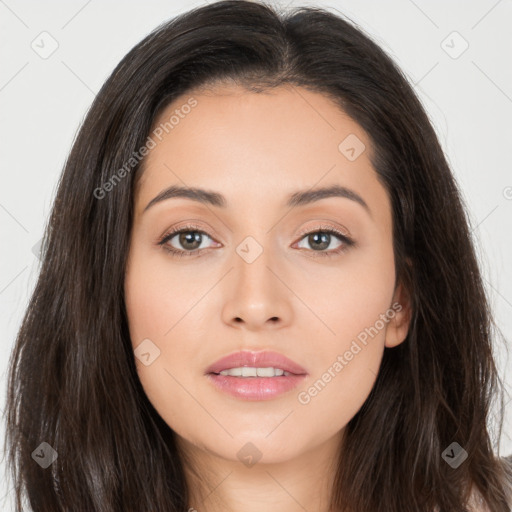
(476, 503)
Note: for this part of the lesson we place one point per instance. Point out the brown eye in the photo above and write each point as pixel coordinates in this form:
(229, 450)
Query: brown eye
(321, 240)
(190, 240)
(185, 241)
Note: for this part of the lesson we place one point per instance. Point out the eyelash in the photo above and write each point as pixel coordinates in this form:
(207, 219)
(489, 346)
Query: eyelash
(346, 241)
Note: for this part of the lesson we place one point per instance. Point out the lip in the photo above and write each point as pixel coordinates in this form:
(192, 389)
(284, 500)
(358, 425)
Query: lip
(255, 388)
(263, 359)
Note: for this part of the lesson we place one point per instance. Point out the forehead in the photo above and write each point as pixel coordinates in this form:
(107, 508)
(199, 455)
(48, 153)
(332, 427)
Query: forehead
(263, 144)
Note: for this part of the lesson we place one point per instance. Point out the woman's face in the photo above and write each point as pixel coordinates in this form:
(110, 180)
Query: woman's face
(257, 270)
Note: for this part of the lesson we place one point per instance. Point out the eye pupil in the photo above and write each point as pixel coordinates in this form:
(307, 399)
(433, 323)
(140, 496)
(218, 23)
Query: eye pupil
(320, 240)
(190, 237)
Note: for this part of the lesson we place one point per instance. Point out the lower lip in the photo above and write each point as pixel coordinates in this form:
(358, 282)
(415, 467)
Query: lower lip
(255, 388)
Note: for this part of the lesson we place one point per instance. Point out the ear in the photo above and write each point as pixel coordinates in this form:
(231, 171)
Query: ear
(398, 326)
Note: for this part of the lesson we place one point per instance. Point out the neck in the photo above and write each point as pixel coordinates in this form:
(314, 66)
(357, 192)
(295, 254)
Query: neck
(218, 484)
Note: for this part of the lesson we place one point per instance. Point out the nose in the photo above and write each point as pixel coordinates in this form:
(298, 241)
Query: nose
(255, 296)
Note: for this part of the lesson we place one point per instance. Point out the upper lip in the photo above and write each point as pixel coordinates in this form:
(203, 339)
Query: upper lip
(265, 359)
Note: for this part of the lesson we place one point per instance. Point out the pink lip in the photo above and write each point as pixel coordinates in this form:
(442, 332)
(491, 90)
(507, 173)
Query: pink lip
(255, 388)
(264, 359)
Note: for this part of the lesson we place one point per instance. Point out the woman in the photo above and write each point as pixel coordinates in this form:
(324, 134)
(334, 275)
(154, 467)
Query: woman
(258, 288)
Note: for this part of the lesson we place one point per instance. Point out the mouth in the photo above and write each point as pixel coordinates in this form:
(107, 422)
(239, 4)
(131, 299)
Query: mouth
(255, 375)
(245, 363)
(251, 371)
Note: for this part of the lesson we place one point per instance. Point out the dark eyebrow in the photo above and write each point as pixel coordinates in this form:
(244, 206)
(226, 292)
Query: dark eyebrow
(309, 196)
(196, 194)
(299, 198)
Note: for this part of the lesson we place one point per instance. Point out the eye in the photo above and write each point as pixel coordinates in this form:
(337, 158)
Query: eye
(322, 238)
(185, 241)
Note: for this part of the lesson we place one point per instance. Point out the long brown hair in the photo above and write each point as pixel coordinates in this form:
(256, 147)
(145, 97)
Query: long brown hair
(73, 382)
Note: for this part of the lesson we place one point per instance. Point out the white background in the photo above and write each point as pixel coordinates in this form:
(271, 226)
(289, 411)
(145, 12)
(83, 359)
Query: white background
(43, 101)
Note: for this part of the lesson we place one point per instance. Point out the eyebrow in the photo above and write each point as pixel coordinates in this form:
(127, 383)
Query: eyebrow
(299, 198)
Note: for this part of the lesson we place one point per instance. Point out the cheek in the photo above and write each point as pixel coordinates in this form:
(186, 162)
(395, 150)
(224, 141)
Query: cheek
(351, 296)
(159, 306)
(347, 356)
(157, 298)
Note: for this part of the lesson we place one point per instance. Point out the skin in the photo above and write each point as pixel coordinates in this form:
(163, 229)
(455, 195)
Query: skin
(256, 149)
